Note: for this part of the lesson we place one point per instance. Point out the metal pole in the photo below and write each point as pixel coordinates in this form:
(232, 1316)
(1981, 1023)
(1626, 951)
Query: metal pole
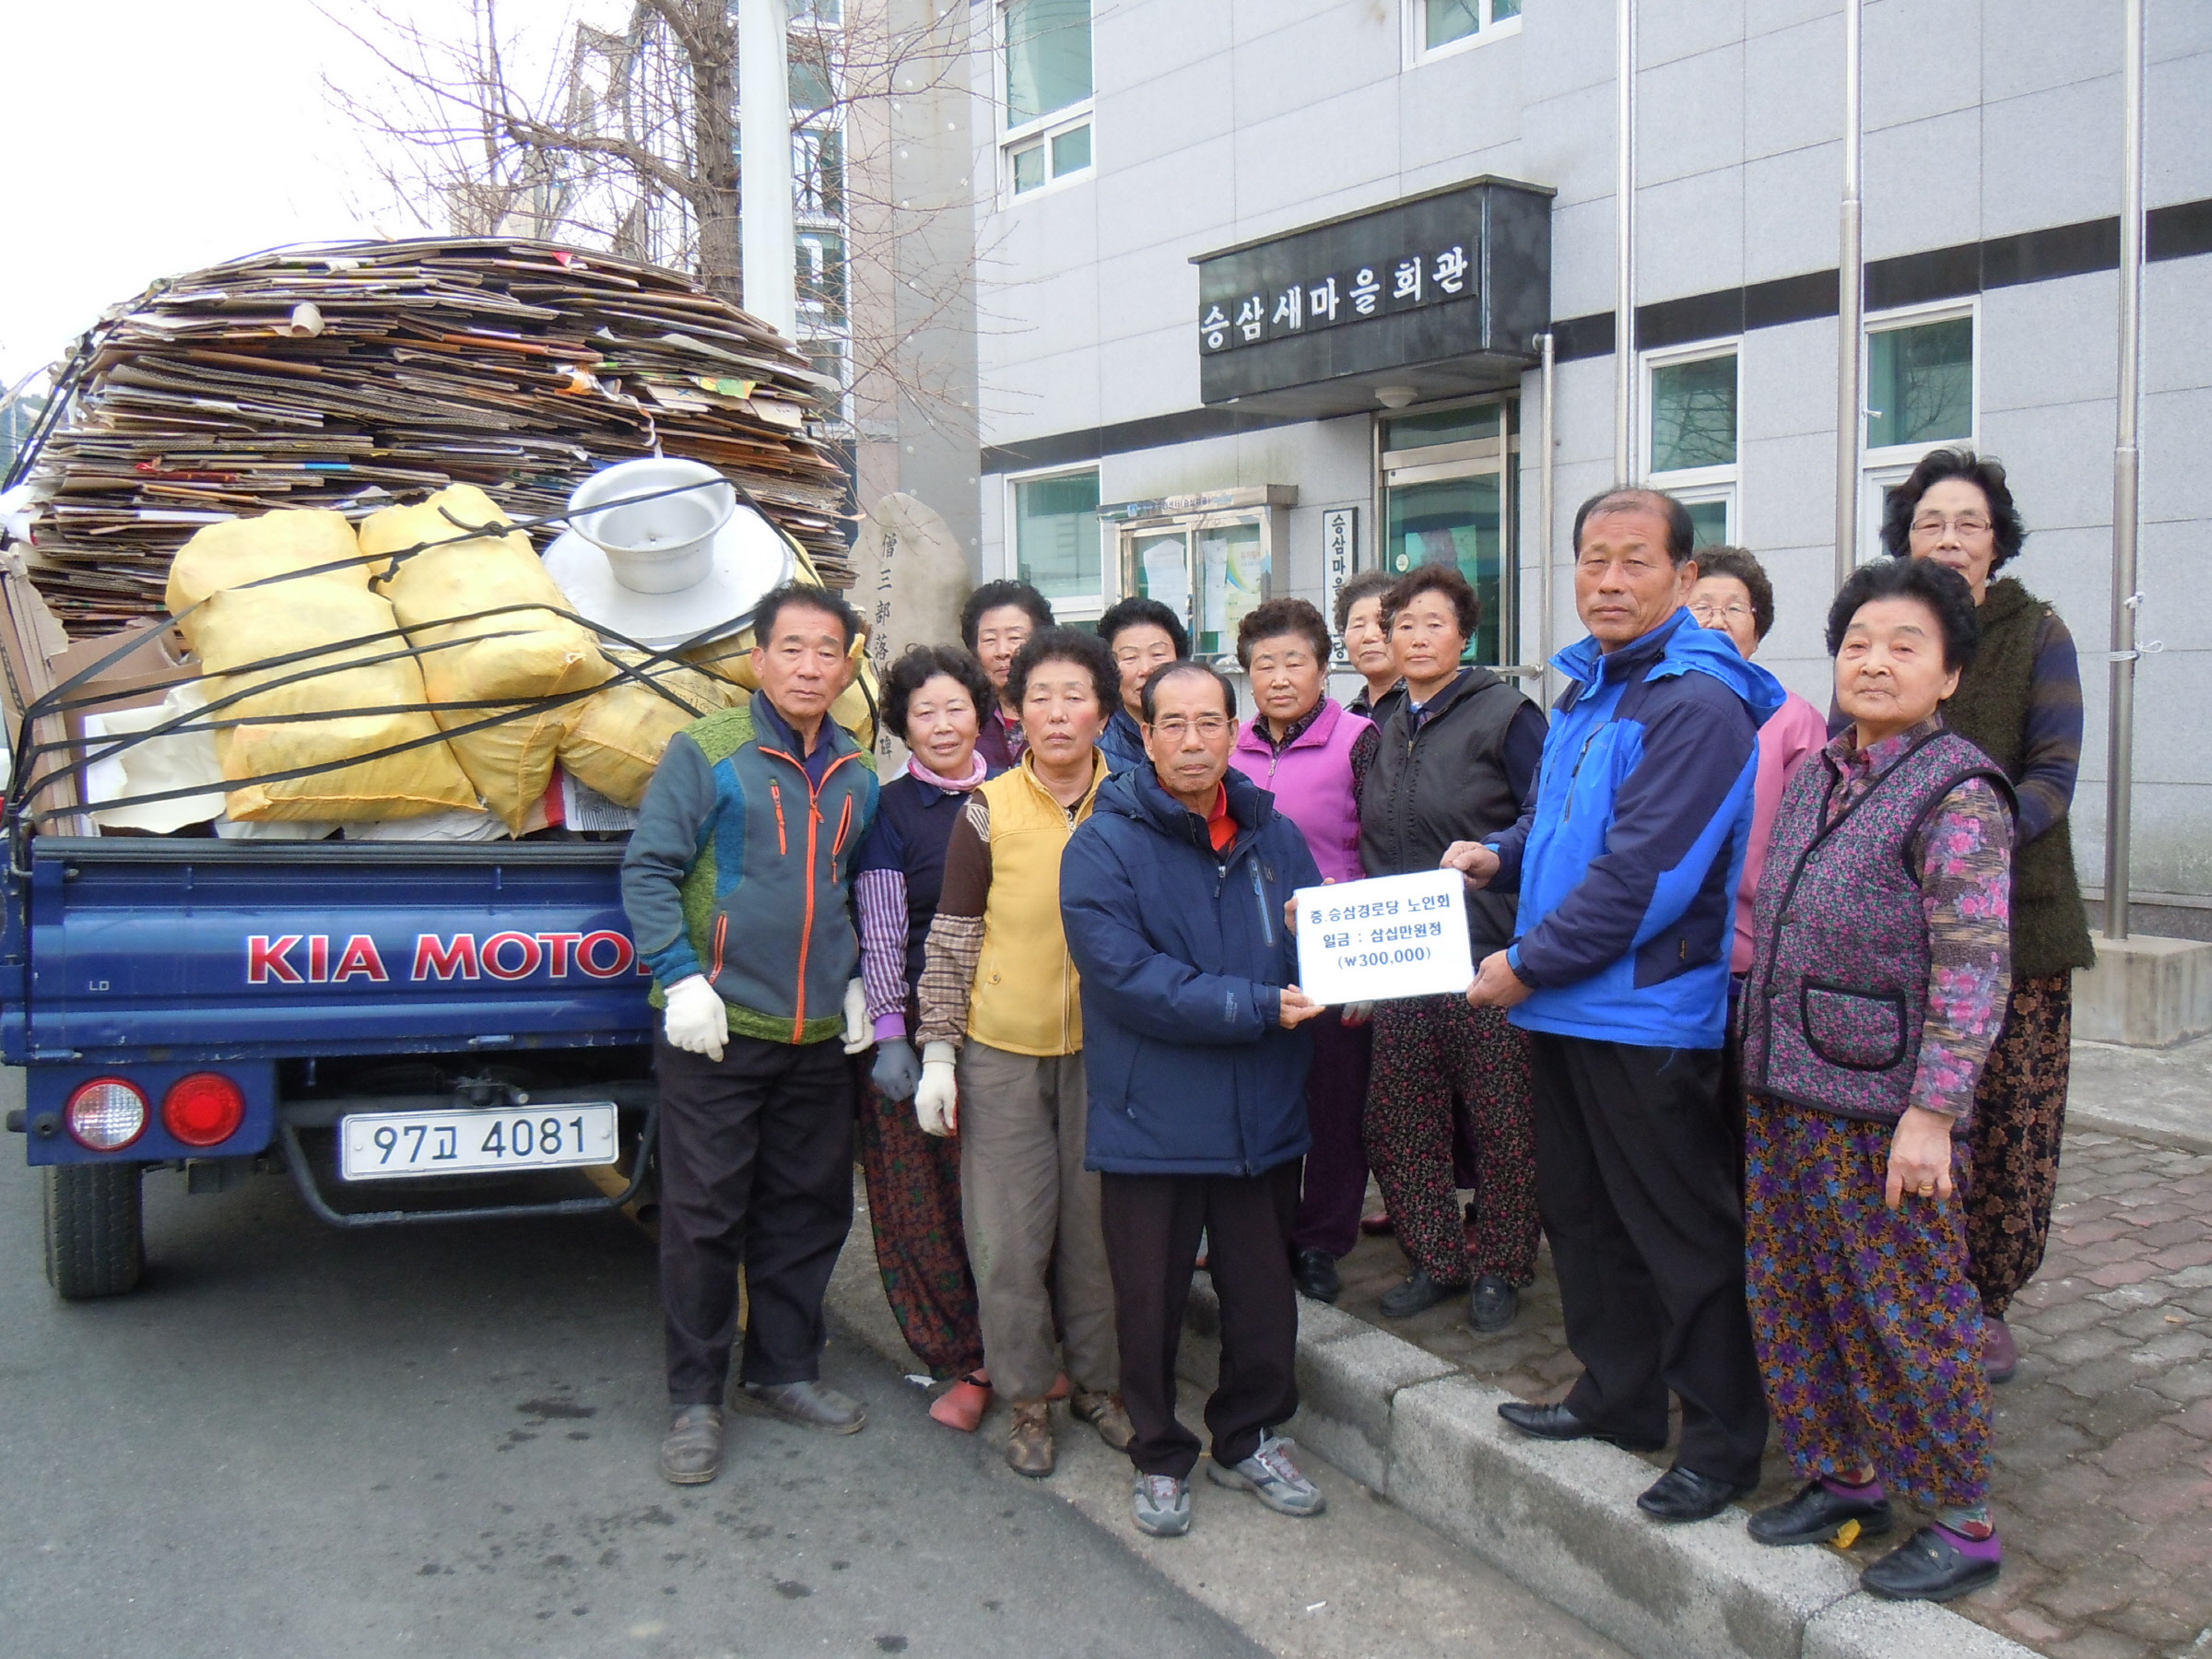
(1546, 513)
(765, 235)
(2126, 481)
(1624, 235)
(1851, 290)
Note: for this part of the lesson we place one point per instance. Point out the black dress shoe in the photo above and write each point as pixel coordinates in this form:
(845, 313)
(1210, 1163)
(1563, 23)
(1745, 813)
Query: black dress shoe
(1928, 1567)
(1820, 1515)
(1492, 1304)
(1417, 1294)
(1557, 1423)
(1683, 1494)
(1314, 1271)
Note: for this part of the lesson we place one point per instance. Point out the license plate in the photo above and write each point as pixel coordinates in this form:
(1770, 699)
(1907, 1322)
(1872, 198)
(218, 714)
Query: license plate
(376, 1146)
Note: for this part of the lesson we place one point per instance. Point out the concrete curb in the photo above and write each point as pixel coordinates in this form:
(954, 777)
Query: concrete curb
(1562, 1519)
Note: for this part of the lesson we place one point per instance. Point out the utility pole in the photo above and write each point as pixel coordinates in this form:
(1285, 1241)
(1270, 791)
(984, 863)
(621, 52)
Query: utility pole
(769, 246)
(1851, 293)
(2127, 459)
(1624, 233)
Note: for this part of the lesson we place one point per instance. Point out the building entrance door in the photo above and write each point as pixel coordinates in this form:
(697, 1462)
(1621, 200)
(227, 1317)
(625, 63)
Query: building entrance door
(1447, 499)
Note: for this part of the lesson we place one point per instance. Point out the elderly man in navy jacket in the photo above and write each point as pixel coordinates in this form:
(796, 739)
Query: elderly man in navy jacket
(1173, 895)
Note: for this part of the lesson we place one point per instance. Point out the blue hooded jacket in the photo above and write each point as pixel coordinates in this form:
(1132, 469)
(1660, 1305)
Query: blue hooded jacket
(1183, 954)
(1627, 860)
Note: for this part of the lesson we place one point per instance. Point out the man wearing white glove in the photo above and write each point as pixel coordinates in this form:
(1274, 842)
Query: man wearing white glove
(738, 884)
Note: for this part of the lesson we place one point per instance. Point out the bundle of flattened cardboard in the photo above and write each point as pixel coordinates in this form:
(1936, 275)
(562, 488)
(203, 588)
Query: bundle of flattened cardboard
(350, 376)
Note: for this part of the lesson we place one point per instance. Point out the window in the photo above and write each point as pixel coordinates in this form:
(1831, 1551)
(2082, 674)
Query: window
(1692, 439)
(818, 160)
(1048, 91)
(1057, 534)
(1435, 25)
(1446, 479)
(1920, 393)
(1920, 382)
(1209, 571)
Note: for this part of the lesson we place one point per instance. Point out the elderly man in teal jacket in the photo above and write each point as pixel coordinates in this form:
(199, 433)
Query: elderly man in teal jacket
(738, 884)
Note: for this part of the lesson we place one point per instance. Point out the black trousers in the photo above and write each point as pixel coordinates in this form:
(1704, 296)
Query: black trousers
(756, 1156)
(1636, 1178)
(1152, 1224)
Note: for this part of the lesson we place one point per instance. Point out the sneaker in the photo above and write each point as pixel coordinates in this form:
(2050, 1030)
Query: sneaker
(1160, 1505)
(1270, 1475)
(691, 1456)
(1105, 1413)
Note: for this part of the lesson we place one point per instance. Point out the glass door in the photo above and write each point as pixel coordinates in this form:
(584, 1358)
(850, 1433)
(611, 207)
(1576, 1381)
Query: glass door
(1210, 570)
(1445, 500)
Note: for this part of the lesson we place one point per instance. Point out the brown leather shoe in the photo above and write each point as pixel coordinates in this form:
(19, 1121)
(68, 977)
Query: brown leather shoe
(1029, 1440)
(691, 1456)
(1105, 1413)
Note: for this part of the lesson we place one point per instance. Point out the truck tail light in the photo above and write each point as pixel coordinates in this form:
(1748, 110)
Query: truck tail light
(204, 1109)
(106, 1114)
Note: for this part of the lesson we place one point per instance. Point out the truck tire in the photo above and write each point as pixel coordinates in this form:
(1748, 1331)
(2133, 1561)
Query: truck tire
(95, 1241)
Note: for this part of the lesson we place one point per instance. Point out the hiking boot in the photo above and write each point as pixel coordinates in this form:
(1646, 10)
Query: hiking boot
(1029, 1440)
(1161, 1506)
(1270, 1475)
(691, 1456)
(1105, 1413)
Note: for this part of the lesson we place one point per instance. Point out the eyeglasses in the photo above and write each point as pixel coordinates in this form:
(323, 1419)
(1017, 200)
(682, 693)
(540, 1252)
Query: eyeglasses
(1207, 726)
(1735, 610)
(1966, 523)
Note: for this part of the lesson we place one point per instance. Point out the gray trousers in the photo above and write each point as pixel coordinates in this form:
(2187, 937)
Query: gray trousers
(1035, 1241)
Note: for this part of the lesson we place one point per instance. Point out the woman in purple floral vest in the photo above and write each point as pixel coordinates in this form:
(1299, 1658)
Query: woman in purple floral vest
(1881, 956)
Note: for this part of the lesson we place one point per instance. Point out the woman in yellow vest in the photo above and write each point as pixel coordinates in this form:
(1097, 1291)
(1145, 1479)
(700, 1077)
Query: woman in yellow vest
(1002, 1047)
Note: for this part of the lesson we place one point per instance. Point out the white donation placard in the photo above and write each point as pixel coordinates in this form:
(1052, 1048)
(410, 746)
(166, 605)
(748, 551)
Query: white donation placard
(1393, 935)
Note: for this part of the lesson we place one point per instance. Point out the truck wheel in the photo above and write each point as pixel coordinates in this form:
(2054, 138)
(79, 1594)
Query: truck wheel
(95, 1242)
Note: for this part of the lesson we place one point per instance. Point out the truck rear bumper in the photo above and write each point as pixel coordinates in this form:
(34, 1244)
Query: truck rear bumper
(327, 1112)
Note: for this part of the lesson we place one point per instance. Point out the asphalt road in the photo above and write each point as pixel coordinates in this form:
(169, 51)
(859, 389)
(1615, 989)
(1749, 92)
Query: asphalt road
(298, 1442)
(439, 1441)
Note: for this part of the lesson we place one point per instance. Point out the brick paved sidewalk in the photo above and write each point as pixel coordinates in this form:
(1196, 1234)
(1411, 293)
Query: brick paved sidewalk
(2104, 1440)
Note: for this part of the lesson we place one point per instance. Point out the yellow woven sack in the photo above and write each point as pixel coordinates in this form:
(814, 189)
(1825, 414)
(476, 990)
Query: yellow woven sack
(244, 627)
(238, 551)
(615, 739)
(523, 654)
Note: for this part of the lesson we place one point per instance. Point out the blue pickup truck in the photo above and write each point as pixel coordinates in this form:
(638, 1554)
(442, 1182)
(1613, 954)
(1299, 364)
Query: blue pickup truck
(412, 1031)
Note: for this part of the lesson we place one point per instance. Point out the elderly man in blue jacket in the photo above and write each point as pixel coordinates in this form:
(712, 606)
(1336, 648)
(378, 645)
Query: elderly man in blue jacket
(1626, 864)
(1174, 896)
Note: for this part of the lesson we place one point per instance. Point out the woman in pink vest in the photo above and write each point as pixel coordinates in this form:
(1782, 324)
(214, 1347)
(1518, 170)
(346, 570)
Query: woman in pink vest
(1312, 755)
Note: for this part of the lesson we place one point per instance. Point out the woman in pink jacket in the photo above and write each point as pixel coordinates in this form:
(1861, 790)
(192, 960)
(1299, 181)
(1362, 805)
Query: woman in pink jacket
(1312, 754)
(1734, 595)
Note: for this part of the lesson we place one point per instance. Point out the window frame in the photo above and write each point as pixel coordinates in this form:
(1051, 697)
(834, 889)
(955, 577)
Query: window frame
(1415, 31)
(1879, 469)
(1892, 321)
(1075, 609)
(1041, 132)
(1698, 481)
(1448, 463)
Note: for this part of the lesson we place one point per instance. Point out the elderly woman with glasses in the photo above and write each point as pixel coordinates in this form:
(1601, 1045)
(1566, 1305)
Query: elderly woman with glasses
(1880, 958)
(2020, 703)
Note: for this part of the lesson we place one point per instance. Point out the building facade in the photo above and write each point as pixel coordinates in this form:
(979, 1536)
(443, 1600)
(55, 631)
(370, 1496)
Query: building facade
(1259, 286)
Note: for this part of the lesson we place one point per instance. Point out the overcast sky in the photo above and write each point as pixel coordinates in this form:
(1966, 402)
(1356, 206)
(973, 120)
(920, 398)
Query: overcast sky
(149, 138)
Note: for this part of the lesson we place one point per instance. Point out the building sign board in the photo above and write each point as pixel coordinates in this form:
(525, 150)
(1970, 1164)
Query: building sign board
(1457, 282)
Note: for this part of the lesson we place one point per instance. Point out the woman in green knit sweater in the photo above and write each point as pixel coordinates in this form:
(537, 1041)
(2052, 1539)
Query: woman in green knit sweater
(2020, 701)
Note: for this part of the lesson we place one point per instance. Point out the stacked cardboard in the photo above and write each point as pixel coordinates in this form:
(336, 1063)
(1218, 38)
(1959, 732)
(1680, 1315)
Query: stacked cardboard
(346, 376)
